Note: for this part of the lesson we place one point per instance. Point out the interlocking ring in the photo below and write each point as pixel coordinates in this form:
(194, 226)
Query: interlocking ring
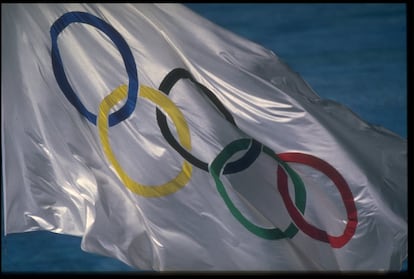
(241, 164)
(104, 120)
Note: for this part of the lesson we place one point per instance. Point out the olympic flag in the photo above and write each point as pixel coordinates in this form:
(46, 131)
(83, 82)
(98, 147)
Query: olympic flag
(170, 143)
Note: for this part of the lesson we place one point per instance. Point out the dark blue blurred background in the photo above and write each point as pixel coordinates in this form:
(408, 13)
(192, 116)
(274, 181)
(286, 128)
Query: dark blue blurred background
(352, 53)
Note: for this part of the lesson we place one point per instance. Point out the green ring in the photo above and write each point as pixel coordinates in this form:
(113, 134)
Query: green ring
(300, 193)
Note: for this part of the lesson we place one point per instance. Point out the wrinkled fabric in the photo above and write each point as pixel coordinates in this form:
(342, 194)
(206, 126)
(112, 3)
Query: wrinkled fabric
(58, 175)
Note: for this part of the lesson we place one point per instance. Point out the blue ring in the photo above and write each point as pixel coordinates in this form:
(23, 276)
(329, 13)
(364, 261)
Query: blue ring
(58, 26)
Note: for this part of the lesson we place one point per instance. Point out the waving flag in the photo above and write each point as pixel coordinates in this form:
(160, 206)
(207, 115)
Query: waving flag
(170, 143)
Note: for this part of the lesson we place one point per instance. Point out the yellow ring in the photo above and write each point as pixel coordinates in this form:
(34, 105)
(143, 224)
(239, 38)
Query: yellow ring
(182, 130)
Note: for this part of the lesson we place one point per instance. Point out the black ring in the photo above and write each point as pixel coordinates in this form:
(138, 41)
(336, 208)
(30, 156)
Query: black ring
(166, 85)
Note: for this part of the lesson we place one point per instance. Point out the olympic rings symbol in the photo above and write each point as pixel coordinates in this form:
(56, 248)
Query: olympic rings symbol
(219, 165)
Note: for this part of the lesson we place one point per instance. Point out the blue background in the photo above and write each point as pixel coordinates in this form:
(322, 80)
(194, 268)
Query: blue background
(351, 53)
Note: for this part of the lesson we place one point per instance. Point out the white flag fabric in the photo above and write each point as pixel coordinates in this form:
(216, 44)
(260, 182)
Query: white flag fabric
(170, 143)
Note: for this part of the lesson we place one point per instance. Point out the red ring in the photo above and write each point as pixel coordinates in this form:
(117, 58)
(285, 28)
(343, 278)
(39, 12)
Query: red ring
(339, 181)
